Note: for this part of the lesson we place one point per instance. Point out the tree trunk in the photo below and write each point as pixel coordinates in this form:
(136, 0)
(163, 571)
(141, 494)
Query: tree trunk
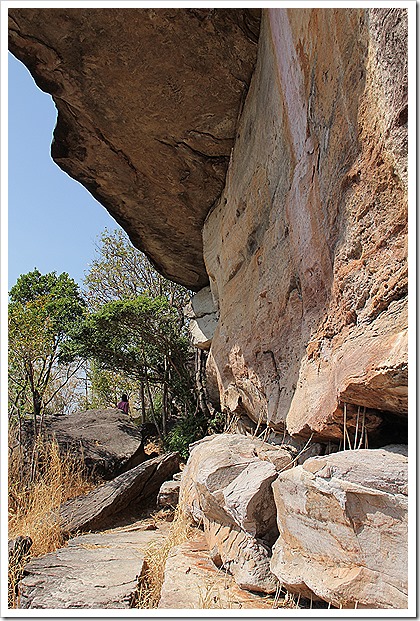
(164, 409)
(200, 370)
(143, 402)
(152, 410)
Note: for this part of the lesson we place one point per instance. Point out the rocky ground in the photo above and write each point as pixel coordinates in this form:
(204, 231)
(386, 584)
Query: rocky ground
(331, 531)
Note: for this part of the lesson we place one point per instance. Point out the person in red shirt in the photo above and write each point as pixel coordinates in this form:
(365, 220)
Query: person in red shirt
(123, 404)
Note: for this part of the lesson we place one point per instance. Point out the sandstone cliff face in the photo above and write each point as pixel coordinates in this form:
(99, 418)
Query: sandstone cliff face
(147, 102)
(306, 246)
(306, 249)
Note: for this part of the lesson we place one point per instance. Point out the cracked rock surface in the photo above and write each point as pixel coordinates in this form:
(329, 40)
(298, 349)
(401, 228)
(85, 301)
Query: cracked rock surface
(147, 102)
(99, 507)
(342, 520)
(93, 571)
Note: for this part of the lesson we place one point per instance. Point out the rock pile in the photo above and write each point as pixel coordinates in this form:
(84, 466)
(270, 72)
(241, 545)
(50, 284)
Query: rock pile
(226, 486)
(334, 529)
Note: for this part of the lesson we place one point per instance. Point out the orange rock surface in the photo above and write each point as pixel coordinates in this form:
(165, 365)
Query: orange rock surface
(306, 249)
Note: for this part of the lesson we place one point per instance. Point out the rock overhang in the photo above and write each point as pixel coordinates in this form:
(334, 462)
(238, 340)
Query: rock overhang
(147, 101)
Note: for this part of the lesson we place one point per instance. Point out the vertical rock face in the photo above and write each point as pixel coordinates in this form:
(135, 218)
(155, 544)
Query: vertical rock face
(306, 246)
(306, 249)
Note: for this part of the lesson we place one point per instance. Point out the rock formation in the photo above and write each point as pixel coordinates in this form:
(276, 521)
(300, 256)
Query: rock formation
(93, 571)
(130, 490)
(148, 101)
(105, 440)
(305, 239)
(343, 528)
(168, 495)
(203, 318)
(306, 249)
(226, 485)
(276, 174)
(191, 580)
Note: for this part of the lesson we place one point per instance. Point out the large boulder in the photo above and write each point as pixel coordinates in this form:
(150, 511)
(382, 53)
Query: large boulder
(226, 485)
(148, 101)
(342, 520)
(105, 440)
(130, 490)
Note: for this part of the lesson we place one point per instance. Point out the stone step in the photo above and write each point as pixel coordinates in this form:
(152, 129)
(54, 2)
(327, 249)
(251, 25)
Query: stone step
(98, 570)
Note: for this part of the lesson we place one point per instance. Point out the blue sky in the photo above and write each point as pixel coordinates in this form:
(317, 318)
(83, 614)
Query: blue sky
(53, 221)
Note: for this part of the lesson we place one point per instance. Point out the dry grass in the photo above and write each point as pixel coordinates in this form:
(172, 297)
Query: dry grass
(34, 505)
(34, 501)
(154, 446)
(17, 563)
(181, 530)
(211, 597)
(155, 560)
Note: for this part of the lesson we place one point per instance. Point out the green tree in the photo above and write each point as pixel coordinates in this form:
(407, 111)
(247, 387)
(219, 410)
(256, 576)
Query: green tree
(120, 271)
(43, 308)
(141, 338)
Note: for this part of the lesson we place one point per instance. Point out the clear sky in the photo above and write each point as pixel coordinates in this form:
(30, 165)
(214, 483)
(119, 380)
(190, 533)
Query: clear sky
(53, 220)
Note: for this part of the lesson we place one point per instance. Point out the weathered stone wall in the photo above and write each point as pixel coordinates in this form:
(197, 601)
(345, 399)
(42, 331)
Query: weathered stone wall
(306, 246)
(306, 249)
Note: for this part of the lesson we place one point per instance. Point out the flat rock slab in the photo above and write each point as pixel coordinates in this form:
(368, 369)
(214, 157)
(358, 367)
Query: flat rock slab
(92, 571)
(193, 581)
(99, 508)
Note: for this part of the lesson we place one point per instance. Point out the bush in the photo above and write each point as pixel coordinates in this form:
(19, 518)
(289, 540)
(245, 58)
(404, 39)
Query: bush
(185, 432)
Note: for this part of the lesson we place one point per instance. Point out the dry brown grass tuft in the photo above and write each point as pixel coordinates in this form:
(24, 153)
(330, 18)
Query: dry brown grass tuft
(154, 446)
(155, 560)
(34, 501)
(34, 504)
(17, 562)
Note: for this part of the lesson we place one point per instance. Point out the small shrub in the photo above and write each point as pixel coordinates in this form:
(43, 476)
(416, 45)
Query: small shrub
(185, 432)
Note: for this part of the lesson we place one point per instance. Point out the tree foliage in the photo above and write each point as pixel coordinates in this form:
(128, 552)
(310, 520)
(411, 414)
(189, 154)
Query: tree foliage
(141, 338)
(42, 311)
(125, 332)
(120, 271)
